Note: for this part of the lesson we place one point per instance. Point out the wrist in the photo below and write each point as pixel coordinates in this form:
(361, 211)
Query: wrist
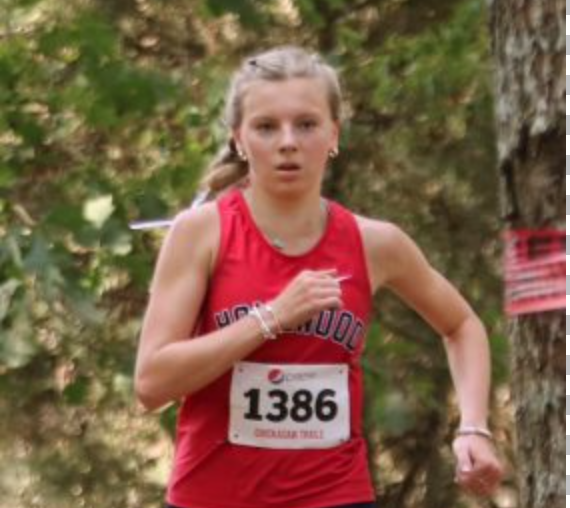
(473, 421)
(269, 310)
(267, 320)
(474, 430)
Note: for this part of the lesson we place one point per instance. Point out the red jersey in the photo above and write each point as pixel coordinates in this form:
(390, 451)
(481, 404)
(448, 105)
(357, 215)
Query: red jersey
(210, 469)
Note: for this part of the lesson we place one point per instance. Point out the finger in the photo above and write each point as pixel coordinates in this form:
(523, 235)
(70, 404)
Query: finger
(329, 272)
(321, 293)
(488, 469)
(464, 461)
(332, 303)
(322, 286)
(317, 274)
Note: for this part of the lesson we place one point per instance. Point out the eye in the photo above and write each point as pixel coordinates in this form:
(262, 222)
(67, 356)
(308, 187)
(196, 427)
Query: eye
(264, 126)
(308, 124)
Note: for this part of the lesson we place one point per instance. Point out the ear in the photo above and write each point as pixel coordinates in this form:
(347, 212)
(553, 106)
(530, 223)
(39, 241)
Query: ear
(236, 137)
(335, 135)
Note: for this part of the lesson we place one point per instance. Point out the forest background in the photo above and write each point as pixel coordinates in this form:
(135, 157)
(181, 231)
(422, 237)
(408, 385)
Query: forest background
(109, 110)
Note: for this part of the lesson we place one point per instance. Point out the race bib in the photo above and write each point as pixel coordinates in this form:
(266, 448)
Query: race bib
(289, 406)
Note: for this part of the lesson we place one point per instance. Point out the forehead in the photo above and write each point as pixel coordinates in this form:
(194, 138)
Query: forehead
(286, 98)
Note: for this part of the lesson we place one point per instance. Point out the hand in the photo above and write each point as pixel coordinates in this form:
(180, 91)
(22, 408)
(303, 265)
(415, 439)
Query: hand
(479, 471)
(306, 295)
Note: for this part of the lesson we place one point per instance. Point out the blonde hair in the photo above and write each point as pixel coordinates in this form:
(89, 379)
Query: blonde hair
(227, 169)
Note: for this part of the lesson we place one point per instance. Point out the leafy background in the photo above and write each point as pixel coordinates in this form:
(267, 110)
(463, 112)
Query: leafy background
(109, 110)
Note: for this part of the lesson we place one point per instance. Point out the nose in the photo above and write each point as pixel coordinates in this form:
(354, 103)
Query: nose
(288, 139)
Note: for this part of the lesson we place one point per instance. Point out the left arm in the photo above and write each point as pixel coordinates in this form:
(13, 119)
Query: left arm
(398, 264)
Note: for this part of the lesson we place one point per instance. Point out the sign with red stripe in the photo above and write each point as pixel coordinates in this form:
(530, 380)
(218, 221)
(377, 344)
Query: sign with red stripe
(535, 271)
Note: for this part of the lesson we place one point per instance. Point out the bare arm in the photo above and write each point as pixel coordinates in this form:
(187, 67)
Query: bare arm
(169, 365)
(418, 284)
(398, 264)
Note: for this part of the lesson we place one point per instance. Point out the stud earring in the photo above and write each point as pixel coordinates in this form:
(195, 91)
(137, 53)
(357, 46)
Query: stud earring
(241, 155)
(333, 153)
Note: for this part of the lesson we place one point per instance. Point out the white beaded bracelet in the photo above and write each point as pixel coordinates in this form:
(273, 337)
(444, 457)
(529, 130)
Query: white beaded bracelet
(265, 329)
(269, 309)
(474, 431)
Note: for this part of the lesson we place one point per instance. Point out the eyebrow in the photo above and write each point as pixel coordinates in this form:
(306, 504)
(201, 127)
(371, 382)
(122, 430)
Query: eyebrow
(266, 117)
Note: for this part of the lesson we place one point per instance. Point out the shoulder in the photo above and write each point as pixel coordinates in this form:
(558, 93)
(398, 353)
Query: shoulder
(192, 218)
(388, 248)
(379, 233)
(382, 237)
(194, 226)
(192, 240)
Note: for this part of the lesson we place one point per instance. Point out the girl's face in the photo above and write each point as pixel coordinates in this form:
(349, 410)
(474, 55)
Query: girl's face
(287, 132)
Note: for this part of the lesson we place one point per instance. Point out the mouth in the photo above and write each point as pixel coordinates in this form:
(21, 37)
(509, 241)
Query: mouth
(288, 166)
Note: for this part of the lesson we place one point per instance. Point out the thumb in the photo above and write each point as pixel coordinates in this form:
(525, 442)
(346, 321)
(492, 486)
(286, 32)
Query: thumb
(464, 461)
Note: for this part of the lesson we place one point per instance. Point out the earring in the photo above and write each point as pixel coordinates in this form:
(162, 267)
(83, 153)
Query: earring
(238, 151)
(235, 149)
(333, 153)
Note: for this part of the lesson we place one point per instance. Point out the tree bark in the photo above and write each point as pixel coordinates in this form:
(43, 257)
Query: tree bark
(528, 39)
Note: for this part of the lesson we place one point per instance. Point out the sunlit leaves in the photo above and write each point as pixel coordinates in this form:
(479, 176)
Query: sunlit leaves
(249, 12)
(98, 209)
(89, 40)
(434, 77)
(18, 348)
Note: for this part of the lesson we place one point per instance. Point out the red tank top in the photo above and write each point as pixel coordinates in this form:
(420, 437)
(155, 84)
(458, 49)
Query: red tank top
(211, 472)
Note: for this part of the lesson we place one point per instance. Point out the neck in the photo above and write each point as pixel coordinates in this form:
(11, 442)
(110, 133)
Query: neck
(288, 222)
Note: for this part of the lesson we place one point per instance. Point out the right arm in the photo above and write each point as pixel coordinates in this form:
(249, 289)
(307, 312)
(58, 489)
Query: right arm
(169, 366)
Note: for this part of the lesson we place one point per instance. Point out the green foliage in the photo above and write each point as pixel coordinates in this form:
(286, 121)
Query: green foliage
(108, 113)
(250, 14)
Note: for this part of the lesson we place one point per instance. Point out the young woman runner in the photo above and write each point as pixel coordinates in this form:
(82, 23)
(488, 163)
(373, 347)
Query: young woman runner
(259, 308)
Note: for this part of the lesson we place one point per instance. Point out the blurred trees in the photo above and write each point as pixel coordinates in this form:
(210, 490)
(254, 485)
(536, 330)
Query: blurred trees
(109, 110)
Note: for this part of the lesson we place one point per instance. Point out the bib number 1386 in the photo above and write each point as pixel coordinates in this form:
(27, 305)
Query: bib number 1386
(300, 405)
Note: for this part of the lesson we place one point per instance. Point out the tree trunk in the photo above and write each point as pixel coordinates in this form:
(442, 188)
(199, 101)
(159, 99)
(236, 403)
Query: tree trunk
(528, 44)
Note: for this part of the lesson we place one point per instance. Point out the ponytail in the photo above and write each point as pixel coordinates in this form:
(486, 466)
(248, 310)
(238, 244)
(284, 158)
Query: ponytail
(225, 172)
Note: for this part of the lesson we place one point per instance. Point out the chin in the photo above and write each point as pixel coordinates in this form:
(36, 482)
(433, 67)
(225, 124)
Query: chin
(295, 190)
(290, 187)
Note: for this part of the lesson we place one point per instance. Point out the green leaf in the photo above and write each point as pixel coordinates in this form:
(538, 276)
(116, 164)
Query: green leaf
(10, 250)
(117, 238)
(98, 209)
(7, 291)
(38, 258)
(27, 127)
(310, 13)
(75, 393)
(66, 216)
(168, 419)
(249, 15)
(18, 344)
(85, 309)
(8, 176)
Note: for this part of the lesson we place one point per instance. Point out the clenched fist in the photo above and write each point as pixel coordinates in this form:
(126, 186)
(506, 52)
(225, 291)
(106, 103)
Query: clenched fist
(309, 293)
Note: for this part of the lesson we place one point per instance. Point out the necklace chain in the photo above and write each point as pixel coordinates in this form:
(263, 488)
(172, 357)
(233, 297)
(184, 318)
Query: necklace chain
(280, 244)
